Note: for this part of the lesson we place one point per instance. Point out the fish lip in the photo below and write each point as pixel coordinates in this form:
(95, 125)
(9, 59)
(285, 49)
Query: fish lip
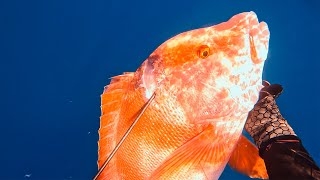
(253, 51)
(258, 37)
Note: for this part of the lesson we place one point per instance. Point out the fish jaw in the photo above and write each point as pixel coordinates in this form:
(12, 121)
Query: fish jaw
(241, 65)
(245, 76)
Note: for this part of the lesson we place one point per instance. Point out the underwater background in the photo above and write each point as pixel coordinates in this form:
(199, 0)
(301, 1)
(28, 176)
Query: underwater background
(56, 57)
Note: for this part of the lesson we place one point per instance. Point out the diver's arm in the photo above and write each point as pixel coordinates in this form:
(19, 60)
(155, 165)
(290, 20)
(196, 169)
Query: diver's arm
(283, 153)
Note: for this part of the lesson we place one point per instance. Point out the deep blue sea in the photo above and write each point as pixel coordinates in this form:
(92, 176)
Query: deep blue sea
(57, 55)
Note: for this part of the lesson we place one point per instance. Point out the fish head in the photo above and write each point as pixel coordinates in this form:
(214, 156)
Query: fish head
(212, 71)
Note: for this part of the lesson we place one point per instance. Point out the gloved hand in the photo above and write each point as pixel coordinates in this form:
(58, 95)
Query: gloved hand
(275, 90)
(265, 121)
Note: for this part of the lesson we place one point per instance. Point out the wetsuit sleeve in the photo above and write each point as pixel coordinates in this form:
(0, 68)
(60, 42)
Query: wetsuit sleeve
(283, 153)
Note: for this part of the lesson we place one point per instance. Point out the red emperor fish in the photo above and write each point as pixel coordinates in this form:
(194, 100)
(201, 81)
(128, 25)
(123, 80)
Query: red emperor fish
(203, 83)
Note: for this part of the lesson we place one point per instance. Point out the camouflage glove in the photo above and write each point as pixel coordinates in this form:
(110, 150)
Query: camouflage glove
(265, 121)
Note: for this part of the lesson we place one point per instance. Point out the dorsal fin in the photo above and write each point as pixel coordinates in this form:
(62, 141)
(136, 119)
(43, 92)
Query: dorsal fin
(111, 101)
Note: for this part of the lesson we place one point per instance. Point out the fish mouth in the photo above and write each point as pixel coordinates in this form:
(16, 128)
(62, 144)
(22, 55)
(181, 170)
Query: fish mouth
(258, 37)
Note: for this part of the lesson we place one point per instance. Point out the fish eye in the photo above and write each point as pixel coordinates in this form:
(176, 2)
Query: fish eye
(203, 51)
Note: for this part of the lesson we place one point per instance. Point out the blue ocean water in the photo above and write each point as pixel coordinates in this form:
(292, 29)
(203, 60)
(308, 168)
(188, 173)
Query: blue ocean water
(56, 57)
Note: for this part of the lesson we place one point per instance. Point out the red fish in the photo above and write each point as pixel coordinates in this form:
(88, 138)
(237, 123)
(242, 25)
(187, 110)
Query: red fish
(205, 82)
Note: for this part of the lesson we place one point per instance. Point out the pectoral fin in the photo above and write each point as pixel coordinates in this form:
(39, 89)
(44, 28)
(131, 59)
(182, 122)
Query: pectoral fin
(246, 160)
(193, 160)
